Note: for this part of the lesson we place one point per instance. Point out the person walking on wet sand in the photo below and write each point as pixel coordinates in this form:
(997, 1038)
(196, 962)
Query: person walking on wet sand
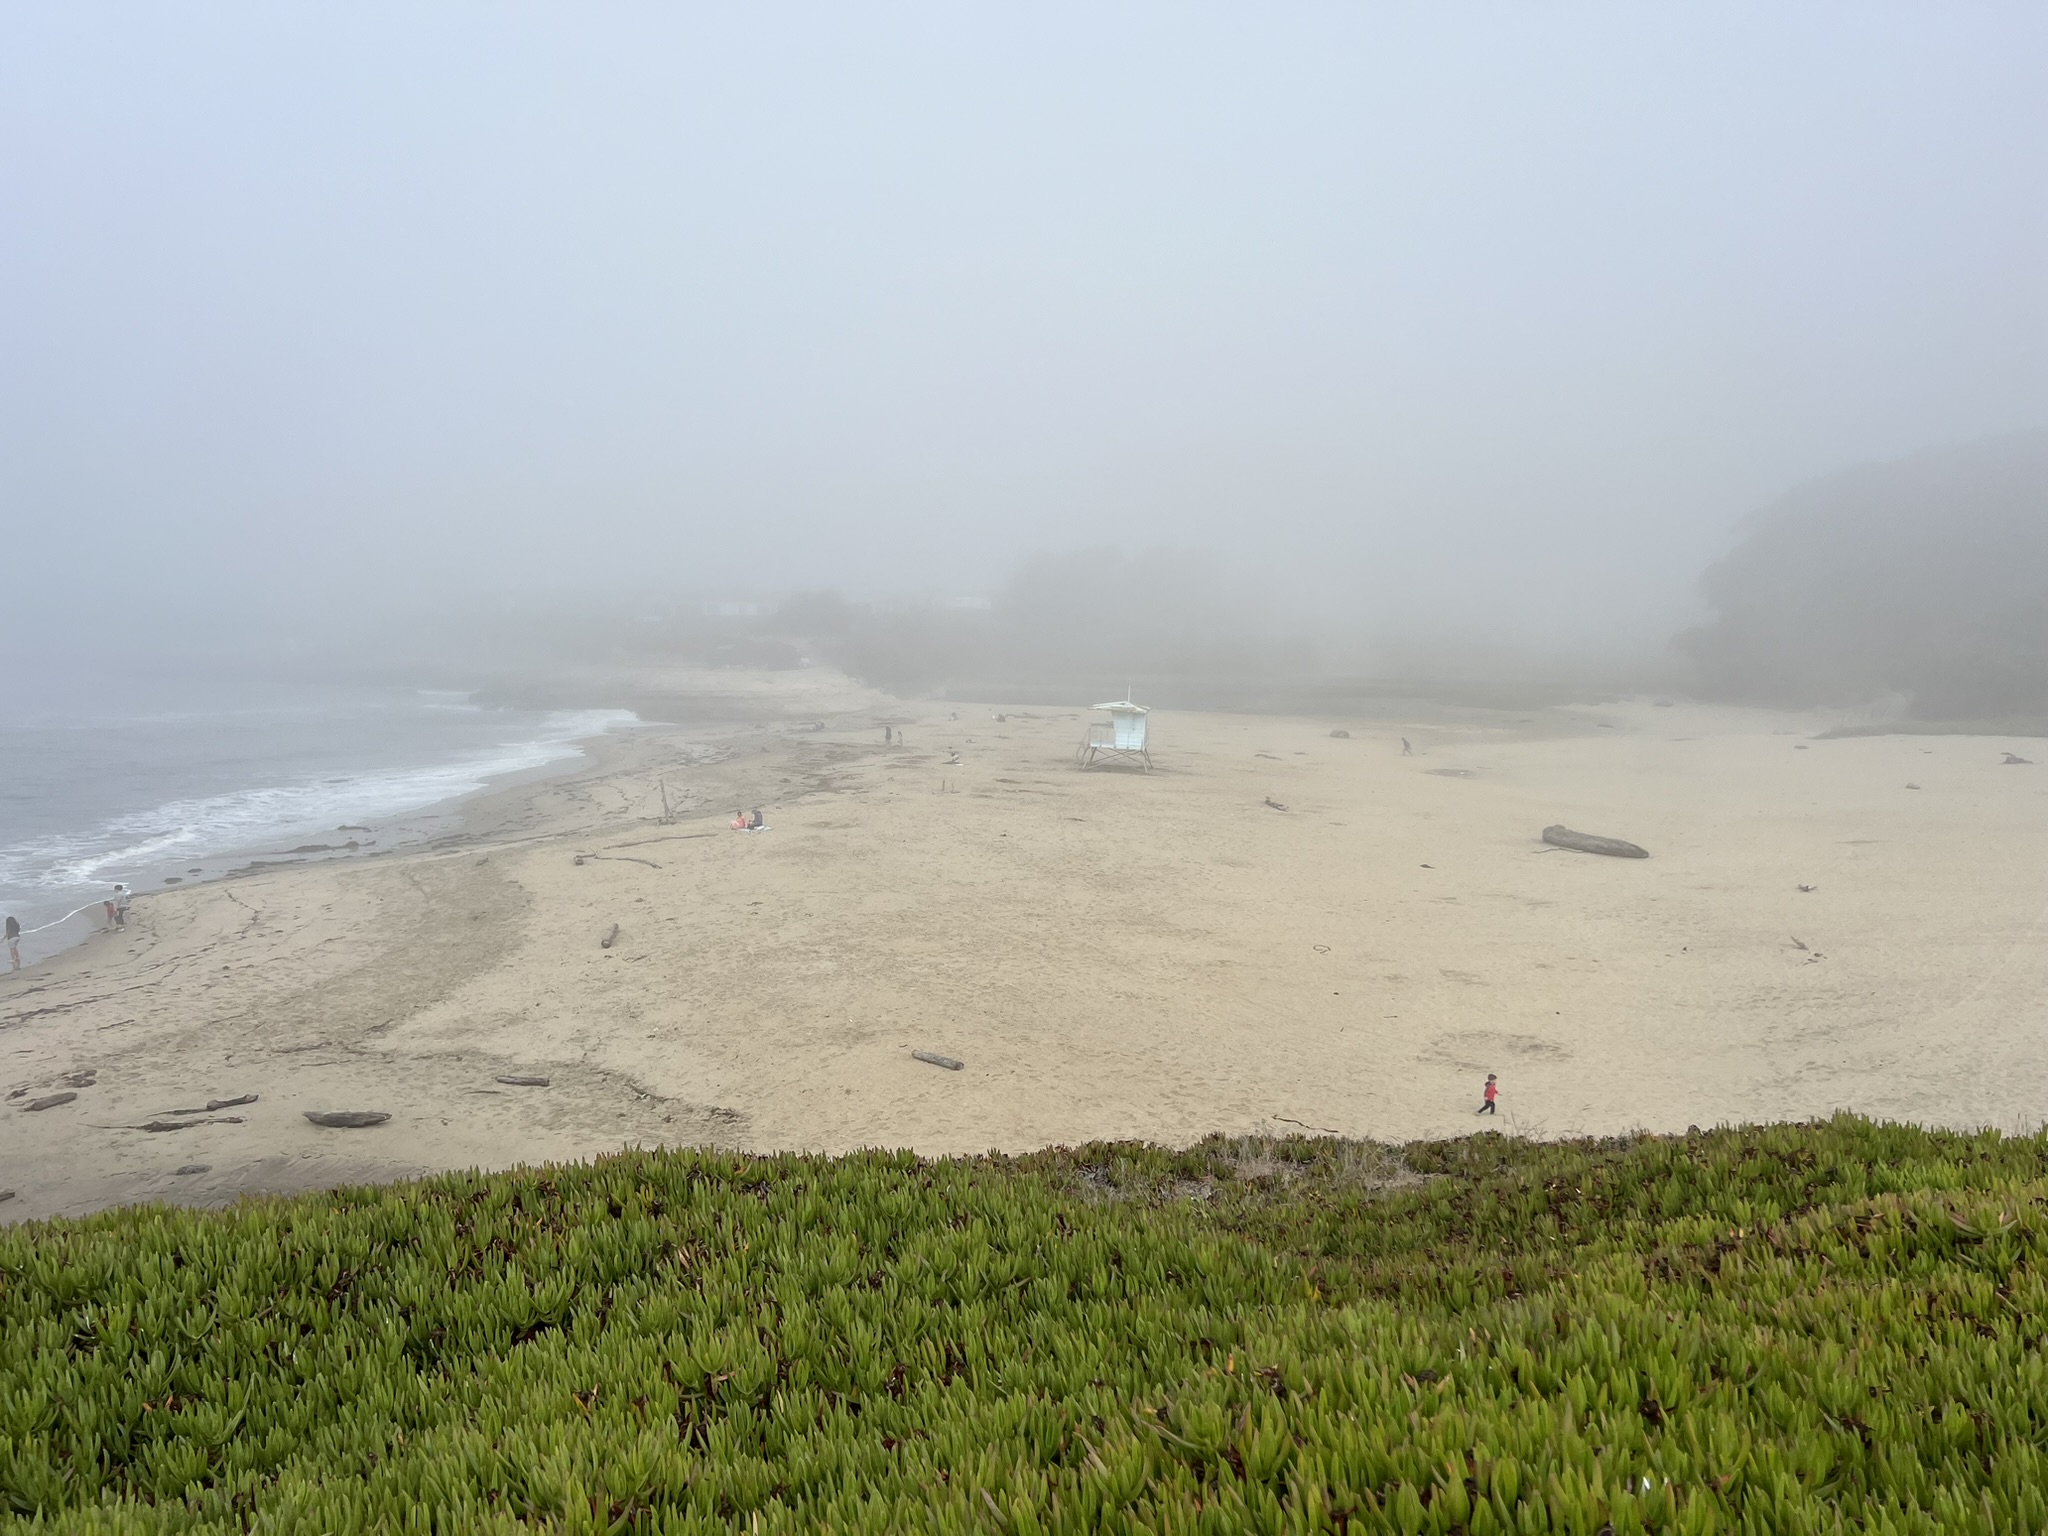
(13, 942)
(1492, 1095)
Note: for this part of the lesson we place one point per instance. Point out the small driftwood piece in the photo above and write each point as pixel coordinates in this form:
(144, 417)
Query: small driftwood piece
(49, 1101)
(214, 1104)
(191, 1168)
(516, 1081)
(937, 1060)
(178, 1125)
(2014, 760)
(1273, 804)
(1586, 842)
(1321, 1130)
(6, 1194)
(346, 1119)
(611, 935)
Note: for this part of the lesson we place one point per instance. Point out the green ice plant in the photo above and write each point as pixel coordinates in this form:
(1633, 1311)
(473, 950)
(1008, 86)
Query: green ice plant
(1818, 1328)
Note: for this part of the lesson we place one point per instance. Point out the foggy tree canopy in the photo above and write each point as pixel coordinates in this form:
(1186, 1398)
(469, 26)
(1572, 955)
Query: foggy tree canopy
(1925, 578)
(1098, 617)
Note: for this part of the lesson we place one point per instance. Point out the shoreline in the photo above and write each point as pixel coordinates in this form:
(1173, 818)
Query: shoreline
(1112, 955)
(400, 829)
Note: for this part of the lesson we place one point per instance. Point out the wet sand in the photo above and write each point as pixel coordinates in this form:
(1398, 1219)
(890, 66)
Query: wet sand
(1111, 954)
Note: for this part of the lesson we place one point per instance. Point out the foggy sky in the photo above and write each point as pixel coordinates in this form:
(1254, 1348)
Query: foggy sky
(1458, 314)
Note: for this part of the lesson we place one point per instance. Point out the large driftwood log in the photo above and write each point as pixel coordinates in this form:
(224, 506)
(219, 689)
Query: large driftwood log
(938, 1061)
(346, 1119)
(1586, 842)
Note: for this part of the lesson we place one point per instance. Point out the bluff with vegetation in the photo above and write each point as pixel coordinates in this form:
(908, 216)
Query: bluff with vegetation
(1823, 1328)
(1924, 580)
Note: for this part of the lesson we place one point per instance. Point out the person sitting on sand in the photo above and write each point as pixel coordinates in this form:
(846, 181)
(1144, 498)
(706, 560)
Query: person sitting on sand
(746, 821)
(1492, 1094)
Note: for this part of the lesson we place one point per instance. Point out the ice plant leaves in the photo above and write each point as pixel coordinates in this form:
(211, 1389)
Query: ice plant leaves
(1794, 1329)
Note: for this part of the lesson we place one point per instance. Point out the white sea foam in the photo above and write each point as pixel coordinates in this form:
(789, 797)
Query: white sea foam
(251, 818)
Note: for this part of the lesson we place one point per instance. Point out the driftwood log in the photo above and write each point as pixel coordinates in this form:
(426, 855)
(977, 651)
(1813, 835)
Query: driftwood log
(1586, 842)
(937, 1060)
(611, 935)
(517, 1081)
(49, 1101)
(346, 1119)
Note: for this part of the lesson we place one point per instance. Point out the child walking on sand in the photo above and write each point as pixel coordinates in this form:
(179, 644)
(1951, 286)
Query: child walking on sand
(1492, 1093)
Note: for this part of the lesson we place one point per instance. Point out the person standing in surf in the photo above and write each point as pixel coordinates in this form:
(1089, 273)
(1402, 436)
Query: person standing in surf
(13, 942)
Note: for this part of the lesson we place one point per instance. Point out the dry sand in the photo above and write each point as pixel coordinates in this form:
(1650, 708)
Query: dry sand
(1112, 954)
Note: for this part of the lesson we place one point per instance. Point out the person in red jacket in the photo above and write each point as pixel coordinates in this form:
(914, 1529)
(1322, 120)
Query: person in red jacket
(1492, 1094)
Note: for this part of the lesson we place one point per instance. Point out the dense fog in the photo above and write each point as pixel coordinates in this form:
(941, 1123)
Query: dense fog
(1153, 341)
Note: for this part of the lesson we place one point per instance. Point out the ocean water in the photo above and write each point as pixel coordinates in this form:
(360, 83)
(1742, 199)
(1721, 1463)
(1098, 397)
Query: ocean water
(158, 793)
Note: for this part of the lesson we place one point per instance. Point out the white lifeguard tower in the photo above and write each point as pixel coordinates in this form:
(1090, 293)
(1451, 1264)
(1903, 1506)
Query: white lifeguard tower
(1120, 739)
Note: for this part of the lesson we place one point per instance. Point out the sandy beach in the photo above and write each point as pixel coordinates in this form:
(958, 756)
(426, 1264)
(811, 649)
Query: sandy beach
(1111, 954)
